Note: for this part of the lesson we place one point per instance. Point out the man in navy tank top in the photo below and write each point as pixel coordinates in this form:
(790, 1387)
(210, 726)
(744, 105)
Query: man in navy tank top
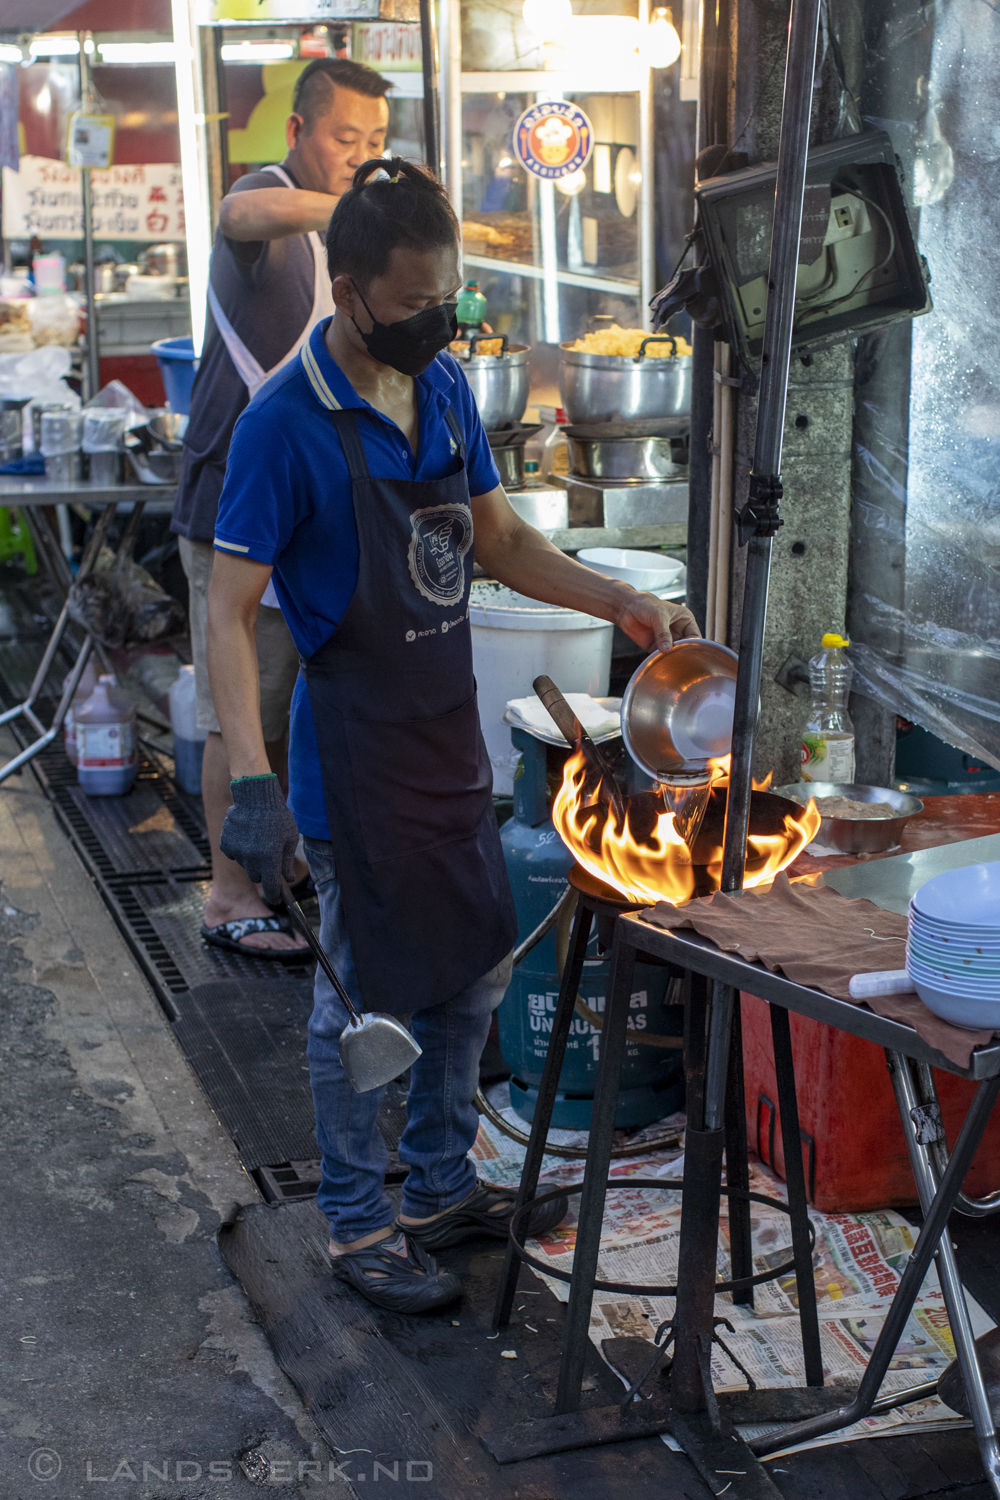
(360, 480)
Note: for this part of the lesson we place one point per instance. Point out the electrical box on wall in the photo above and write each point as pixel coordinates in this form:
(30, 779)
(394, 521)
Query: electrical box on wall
(858, 263)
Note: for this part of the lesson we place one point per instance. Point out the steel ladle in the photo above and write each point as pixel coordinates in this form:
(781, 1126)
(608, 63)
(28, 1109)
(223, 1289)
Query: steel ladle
(374, 1049)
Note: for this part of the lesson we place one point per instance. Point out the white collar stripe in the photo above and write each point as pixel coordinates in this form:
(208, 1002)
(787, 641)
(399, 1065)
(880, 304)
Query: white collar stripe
(317, 380)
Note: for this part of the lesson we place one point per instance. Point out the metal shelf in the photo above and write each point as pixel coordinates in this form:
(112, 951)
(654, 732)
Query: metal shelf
(567, 278)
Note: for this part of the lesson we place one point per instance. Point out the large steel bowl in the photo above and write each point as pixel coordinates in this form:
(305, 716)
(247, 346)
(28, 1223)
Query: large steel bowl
(622, 458)
(499, 382)
(856, 835)
(602, 387)
(677, 713)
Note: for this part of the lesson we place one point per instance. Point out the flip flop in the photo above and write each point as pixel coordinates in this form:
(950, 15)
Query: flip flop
(227, 935)
(406, 1285)
(486, 1213)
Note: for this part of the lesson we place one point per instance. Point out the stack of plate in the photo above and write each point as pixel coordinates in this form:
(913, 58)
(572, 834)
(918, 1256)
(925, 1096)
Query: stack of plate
(953, 949)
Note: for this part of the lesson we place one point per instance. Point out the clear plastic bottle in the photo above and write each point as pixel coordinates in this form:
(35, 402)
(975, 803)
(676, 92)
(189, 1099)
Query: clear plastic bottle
(86, 686)
(189, 740)
(828, 736)
(105, 741)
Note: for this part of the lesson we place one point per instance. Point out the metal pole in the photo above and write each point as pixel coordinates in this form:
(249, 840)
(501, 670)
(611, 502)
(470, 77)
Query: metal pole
(429, 59)
(758, 521)
(93, 353)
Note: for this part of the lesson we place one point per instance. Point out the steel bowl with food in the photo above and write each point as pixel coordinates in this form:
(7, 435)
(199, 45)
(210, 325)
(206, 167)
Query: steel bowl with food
(648, 376)
(499, 375)
(677, 712)
(848, 828)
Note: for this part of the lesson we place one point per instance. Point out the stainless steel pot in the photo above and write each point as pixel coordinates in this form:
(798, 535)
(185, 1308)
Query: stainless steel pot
(510, 466)
(499, 381)
(601, 387)
(622, 458)
(165, 260)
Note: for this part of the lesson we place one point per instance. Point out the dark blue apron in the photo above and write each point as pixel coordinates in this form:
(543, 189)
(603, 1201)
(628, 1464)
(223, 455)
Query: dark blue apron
(406, 778)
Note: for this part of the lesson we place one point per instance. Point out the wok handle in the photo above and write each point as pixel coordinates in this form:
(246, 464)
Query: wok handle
(301, 922)
(477, 338)
(574, 733)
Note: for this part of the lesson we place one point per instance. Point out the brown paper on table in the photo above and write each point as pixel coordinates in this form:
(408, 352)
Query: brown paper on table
(815, 936)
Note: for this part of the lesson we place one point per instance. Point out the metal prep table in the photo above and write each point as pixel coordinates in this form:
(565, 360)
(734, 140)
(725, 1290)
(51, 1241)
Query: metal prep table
(889, 883)
(29, 493)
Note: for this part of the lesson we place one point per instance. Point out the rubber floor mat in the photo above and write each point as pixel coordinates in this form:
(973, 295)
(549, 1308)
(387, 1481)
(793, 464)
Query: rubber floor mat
(247, 1043)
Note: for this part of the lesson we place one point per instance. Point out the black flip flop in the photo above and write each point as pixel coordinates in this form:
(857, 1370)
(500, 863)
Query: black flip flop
(227, 935)
(410, 1285)
(478, 1217)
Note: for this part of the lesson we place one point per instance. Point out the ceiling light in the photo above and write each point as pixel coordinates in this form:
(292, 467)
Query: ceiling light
(10, 53)
(257, 52)
(661, 45)
(136, 52)
(54, 46)
(547, 18)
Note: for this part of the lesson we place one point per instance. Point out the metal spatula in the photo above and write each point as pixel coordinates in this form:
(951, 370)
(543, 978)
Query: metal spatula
(374, 1049)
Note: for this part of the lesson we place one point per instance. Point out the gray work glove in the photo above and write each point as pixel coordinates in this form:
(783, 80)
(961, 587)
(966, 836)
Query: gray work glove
(259, 833)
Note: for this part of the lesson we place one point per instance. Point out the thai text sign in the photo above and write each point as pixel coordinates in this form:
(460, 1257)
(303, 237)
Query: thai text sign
(130, 202)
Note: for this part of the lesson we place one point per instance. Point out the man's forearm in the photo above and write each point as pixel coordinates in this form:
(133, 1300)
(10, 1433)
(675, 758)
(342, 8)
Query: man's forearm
(528, 562)
(274, 213)
(232, 673)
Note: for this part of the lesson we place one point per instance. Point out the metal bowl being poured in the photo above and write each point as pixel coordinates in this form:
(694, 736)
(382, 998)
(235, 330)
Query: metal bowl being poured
(677, 713)
(677, 716)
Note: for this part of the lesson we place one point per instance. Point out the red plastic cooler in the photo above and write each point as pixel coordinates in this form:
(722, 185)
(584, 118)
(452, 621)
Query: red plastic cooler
(853, 1150)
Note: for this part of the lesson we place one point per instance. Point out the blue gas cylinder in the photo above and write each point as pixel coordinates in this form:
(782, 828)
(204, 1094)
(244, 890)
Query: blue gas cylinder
(538, 864)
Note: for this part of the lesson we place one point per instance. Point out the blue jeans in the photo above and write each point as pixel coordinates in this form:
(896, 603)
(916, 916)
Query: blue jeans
(441, 1117)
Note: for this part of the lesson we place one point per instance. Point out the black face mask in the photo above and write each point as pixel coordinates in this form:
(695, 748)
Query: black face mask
(410, 345)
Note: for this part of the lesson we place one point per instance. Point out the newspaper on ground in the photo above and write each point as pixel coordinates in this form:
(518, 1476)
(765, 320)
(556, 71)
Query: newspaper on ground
(858, 1261)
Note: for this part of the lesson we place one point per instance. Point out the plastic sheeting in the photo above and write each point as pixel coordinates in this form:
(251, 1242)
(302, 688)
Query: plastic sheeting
(933, 652)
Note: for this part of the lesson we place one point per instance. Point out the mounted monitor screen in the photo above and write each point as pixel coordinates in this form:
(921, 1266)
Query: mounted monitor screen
(858, 264)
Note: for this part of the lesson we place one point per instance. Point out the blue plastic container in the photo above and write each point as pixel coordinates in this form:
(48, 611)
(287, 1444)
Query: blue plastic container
(177, 363)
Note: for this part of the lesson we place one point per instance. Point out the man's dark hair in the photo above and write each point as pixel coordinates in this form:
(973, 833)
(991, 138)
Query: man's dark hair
(403, 205)
(313, 94)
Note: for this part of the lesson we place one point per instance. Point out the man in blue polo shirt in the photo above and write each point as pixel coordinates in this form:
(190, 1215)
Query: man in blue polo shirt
(360, 479)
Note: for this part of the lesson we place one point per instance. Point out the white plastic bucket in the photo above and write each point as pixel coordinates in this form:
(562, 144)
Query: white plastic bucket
(514, 640)
(189, 740)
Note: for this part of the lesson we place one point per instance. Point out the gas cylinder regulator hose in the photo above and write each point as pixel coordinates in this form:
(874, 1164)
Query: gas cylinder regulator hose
(562, 913)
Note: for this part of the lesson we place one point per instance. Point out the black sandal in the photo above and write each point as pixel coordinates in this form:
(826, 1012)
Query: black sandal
(227, 935)
(479, 1216)
(406, 1285)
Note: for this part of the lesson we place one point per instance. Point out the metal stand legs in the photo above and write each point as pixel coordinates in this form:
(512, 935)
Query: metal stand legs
(545, 1102)
(708, 1092)
(26, 710)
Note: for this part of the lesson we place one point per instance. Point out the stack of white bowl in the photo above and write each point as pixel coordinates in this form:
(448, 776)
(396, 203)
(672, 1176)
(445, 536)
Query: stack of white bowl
(953, 949)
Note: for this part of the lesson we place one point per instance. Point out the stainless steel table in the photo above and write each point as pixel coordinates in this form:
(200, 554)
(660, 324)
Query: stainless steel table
(889, 883)
(30, 491)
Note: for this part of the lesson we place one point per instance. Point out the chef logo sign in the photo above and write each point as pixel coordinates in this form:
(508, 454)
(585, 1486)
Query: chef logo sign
(553, 139)
(441, 537)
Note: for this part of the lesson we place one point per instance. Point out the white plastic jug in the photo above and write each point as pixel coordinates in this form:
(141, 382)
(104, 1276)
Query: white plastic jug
(86, 686)
(189, 740)
(105, 741)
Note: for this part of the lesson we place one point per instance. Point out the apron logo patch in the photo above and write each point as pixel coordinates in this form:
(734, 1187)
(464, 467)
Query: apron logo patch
(441, 537)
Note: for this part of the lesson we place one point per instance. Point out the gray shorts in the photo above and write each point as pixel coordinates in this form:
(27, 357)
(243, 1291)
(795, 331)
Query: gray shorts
(277, 655)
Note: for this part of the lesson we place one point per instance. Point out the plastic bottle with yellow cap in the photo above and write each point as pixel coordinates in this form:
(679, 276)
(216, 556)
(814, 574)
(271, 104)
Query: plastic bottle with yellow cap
(828, 736)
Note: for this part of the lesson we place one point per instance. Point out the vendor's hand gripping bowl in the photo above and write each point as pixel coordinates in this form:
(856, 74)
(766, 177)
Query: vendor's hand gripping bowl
(677, 713)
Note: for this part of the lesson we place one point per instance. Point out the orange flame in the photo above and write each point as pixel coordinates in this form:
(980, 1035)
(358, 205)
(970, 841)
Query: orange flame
(719, 770)
(659, 867)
